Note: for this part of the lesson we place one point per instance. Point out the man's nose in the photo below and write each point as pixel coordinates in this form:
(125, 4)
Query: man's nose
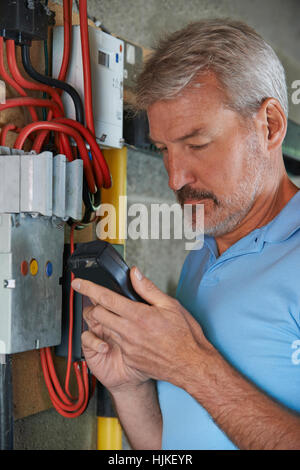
(179, 172)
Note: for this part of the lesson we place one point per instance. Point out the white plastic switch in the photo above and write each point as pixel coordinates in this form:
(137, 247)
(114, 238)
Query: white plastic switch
(59, 186)
(10, 183)
(74, 185)
(2, 92)
(36, 183)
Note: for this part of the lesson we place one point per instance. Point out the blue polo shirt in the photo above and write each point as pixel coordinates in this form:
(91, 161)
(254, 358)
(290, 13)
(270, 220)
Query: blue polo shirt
(247, 302)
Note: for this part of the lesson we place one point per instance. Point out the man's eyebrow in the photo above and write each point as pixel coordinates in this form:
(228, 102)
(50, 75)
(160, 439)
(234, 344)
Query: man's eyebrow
(193, 133)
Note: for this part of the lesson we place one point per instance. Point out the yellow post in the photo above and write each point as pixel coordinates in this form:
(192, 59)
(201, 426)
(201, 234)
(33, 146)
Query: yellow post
(109, 434)
(109, 430)
(116, 195)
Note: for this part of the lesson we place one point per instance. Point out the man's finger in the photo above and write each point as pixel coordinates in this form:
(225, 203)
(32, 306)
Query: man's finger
(93, 343)
(115, 324)
(110, 300)
(147, 290)
(99, 329)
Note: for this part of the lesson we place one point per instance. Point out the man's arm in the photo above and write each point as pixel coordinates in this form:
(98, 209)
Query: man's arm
(251, 419)
(140, 416)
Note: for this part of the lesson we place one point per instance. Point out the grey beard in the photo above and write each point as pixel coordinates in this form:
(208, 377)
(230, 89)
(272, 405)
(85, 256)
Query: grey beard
(238, 204)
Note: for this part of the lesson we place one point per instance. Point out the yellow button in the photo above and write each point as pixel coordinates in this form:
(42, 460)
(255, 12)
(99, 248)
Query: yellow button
(34, 267)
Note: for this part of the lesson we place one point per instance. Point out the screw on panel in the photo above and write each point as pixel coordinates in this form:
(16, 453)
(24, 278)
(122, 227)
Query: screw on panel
(103, 138)
(9, 283)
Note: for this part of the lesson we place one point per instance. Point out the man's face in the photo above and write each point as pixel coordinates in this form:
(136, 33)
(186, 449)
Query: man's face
(211, 153)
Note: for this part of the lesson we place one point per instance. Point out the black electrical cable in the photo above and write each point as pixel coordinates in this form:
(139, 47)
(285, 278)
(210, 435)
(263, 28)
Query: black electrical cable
(53, 82)
(6, 403)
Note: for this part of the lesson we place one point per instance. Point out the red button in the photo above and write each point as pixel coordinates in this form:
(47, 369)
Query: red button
(24, 268)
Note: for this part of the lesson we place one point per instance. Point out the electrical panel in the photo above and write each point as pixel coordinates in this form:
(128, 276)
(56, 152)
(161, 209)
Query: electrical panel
(107, 69)
(38, 194)
(30, 295)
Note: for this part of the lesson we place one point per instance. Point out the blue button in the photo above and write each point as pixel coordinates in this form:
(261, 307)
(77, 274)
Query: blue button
(117, 58)
(49, 269)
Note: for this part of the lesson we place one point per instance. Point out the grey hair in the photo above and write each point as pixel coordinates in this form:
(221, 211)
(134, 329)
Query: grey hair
(244, 63)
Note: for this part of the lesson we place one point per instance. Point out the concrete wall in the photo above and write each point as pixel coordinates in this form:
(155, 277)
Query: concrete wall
(143, 21)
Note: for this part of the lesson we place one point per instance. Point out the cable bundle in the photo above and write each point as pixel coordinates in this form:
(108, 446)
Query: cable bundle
(96, 171)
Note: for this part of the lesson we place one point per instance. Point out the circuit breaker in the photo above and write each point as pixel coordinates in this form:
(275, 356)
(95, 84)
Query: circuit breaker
(38, 194)
(107, 70)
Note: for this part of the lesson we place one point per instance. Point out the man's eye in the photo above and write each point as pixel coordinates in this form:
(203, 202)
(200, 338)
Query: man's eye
(162, 149)
(198, 147)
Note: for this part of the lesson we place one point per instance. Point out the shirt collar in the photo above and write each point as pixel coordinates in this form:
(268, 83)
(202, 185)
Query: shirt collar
(278, 229)
(286, 223)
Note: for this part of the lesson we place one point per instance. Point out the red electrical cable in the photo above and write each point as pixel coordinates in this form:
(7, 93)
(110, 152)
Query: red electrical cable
(57, 393)
(101, 170)
(40, 139)
(95, 149)
(8, 79)
(87, 80)
(64, 398)
(67, 17)
(58, 127)
(37, 145)
(13, 67)
(14, 70)
(97, 161)
(28, 101)
(25, 101)
(67, 410)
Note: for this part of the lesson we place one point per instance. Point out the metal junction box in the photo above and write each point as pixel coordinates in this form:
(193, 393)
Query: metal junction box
(107, 70)
(30, 293)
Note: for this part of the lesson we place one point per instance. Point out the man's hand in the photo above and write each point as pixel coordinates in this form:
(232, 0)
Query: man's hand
(163, 341)
(129, 342)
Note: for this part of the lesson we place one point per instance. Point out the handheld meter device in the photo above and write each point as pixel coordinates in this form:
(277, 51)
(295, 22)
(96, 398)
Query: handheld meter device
(99, 262)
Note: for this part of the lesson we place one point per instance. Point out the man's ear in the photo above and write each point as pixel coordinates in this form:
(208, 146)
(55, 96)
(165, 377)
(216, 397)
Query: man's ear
(272, 123)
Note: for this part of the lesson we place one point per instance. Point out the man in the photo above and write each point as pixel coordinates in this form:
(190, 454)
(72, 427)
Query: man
(222, 352)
